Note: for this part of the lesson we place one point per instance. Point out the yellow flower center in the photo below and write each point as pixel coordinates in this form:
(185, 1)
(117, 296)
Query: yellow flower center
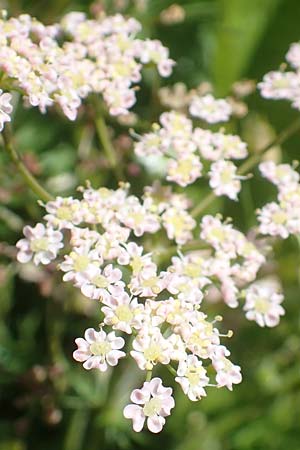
(152, 353)
(262, 305)
(64, 213)
(152, 407)
(124, 313)
(136, 264)
(100, 348)
(100, 281)
(80, 262)
(279, 218)
(194, 374)
(39, 245)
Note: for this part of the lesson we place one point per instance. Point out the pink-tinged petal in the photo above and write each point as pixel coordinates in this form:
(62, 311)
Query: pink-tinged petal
(114, 356)
(92, 363)
(80, 355)
(135, 413)
(24, 257)
(155, 385)
(155, 423)
(88, 290)
(111, 301)
(90, 335)
(118, 343)
(39, 230)
(139, 396)
(69, 276)
(272, 321)
(166, 407)
(139, 359)
(82, 344)
(27, 231)
(102, 366)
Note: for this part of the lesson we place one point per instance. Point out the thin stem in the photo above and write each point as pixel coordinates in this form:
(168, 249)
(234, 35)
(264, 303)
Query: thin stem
(29, 179)
(251, 162)
(108, 147)
(171, 370)
(149, 375)
(196, 244)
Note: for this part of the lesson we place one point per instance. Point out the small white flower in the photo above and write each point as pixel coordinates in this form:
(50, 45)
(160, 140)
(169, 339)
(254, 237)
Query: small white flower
(210, 109)
(64, 212)
(263, 304)
(98, 350)
(227, 372)
(178, 224)
(279, 85)
(150, 348)
(41, 243)
(100, 284)
(184, 170)
(281, 175)
(192, 377)
(274, 220)
(123, 313)
(152, 403)
(224, 179)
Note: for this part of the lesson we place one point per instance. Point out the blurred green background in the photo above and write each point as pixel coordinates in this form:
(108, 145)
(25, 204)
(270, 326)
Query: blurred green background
(47, 401)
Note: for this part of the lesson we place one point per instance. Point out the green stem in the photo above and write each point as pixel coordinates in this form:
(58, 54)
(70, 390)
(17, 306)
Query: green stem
(251, 162)
(108, 147)
(196, 244)
(171, 370)
(29, 179)
(149, 375)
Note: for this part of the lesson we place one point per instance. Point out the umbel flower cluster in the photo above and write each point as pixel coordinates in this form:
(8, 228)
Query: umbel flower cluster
(62, 64)
(162, 309)
(151, 292)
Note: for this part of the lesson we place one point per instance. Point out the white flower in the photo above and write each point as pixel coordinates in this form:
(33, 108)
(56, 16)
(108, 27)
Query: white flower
(224, 179)
(263, 304)
(150, 348)
(64, 212)
(210, 109)
(123, 313)
(98, 350)
(281, 175)
(5, 108)
(151, 403)
(227, 373)
(41, 243)
(279, 85)
(100, 284)
(274, 220)
(178, 224)
(79, 263)
(192, 377)
(184, 170)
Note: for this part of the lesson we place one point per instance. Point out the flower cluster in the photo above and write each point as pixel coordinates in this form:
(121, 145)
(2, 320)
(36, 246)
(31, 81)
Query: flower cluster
(184, 147)
(160, 307)
(151, 292)
(63, 63)
(281, 218)
(284, 84)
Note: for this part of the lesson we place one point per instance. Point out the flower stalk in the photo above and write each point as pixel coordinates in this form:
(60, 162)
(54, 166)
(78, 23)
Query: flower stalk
(29, 179)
